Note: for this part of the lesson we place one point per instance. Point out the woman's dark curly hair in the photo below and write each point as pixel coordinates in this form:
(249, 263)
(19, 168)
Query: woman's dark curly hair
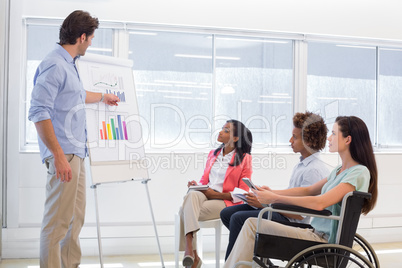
(314, 130)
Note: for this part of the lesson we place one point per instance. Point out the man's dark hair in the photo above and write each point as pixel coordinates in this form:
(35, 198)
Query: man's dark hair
(314, 130)
(77, 23)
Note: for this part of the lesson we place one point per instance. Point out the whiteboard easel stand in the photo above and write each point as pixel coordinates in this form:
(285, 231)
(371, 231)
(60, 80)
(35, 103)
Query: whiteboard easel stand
(97, 223)
(145, 182)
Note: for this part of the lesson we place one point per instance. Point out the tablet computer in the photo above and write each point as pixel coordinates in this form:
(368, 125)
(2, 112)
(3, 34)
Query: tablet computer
(249, 183)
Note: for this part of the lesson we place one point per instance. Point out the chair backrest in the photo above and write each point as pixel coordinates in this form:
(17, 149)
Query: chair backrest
(352, 205)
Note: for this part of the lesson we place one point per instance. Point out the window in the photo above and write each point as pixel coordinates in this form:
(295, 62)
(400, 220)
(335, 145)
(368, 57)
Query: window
(41, 39)
(174, 74)
(190, 81)
(341, 80)
(389, 98)
(254, 83)
(173, 80)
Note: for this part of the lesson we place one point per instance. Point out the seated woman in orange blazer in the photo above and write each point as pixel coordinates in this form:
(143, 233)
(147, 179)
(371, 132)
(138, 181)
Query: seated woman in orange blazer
(225, 168)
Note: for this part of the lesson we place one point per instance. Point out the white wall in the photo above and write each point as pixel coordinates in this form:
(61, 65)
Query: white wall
(372, 18)
(123, 207)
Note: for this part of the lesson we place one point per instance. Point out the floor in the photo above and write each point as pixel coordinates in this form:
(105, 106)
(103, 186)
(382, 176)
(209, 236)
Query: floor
(389, 255)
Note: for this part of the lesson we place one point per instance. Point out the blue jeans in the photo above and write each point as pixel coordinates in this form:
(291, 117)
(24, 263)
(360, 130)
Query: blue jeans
(233, 218)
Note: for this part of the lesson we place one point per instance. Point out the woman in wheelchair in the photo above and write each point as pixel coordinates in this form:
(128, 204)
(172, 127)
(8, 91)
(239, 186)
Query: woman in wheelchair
(358, 172)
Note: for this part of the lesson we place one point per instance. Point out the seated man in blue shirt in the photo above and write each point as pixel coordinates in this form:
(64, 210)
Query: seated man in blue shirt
(308, 138)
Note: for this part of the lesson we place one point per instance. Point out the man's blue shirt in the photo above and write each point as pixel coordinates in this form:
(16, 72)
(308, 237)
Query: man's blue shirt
(307, 172)
(59, 95)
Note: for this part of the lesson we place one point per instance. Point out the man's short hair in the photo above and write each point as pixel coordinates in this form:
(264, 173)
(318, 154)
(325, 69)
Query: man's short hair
(77, 23)
(314, 129)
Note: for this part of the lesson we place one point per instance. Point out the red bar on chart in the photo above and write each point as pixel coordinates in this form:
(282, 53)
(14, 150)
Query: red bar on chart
(104, 130)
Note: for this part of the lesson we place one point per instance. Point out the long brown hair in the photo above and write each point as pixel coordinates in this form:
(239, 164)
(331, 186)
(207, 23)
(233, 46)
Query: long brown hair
(243, 145)
(361, 151)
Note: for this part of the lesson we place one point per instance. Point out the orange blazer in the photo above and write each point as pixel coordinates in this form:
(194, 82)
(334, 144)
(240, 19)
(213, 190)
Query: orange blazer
(233, 176)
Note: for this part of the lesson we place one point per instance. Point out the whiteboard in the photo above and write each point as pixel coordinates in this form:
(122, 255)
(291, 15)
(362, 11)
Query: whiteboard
(114, 133)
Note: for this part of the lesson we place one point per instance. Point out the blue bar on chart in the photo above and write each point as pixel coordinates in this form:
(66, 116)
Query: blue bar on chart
(120, 126)
(120, 94)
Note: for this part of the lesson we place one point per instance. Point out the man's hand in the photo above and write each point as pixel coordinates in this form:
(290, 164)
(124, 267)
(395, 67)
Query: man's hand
(265, 196)
(253, 201)
(111, 99)
(63, 168)
(94, 97)
(46, 133)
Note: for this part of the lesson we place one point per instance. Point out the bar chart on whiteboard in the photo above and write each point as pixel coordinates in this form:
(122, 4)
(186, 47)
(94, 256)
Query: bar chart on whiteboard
(115, 128)
(113, 132)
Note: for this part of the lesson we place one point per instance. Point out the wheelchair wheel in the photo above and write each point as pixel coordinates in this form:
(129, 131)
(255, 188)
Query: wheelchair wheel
(329, 256)
(363, 247)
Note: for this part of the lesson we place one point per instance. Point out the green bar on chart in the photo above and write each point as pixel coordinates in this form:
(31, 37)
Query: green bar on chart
(113, 128)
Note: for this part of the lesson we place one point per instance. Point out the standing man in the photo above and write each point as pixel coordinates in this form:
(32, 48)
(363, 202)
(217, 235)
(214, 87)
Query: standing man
(57, 109)
(309, 136)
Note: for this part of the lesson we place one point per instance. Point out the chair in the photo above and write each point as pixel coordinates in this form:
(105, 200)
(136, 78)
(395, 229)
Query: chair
(217, 224)
(300, 252)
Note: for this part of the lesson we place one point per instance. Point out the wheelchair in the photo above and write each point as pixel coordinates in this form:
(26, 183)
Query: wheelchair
(349, 250)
